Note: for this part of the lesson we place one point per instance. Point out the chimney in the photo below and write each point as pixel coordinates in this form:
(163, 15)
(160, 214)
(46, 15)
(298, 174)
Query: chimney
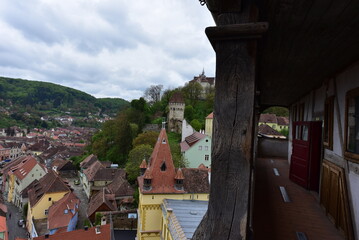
(98, 229)
(47, 236)
(103, 220)
(86, 228)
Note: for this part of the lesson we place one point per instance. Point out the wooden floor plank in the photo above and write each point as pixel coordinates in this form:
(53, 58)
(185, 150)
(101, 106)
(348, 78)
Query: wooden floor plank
(274, 219)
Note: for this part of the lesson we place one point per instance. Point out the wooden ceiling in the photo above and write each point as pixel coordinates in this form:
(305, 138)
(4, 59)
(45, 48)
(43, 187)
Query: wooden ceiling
(307, 42)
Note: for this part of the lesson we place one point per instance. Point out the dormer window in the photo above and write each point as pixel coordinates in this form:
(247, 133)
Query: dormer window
(179, 184)
(147, 184)
(179, 181)
(164, 141)
(163, 167)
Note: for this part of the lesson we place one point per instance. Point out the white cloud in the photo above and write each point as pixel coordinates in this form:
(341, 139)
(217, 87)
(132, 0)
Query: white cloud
(107, 48)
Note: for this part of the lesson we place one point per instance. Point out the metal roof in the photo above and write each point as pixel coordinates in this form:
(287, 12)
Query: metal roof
(186, 216)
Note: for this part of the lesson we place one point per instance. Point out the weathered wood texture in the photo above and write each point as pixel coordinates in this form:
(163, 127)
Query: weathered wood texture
(232, 142)
(307, 42)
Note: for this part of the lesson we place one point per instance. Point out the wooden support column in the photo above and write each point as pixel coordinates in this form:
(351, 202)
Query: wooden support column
(233, 134)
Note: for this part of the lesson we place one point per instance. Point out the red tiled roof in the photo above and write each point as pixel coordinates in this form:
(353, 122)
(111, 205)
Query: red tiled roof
(195, 180)
(161, 168)
(179, 175)
(267, 118)
(176, 98)
(82, 234)
(283, 121)
(121, 187)
(61, 212)
(191, 140)
(184, 146)
(267, 130)
(143, 164)
(49, 183)
(210, 116)
(104, 199)
(25, 167)
(3, 226)
(88, 161)
(203, 78)
(194, 137)
(92, 169)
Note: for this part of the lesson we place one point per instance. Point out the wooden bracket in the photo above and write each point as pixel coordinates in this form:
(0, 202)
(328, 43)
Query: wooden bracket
(236, 32)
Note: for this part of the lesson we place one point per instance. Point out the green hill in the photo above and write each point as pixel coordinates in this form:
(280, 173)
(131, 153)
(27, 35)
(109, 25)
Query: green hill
(43, 98)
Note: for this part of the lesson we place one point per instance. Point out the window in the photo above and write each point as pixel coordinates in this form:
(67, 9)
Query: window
(200, 148)
(49, 199)
(66, 211)
(46, 211)
(206, 148)
(206, 157)
(328, 123)
(163, 167)
(352, 125)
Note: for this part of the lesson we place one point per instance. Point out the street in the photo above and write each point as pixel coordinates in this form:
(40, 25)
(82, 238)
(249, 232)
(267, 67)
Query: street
(12, 222)
(80, 193)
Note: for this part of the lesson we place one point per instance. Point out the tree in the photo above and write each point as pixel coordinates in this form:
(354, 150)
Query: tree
(135, 158)
(114, 141)
(279, 111)
(153, 93)
(188, 113)
(147, 138)
(196, 124)
(139, 104)
(193, 92)
(98, 217)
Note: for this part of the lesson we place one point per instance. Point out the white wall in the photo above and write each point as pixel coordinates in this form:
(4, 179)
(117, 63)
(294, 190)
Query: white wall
(314, 102)
(187, 129)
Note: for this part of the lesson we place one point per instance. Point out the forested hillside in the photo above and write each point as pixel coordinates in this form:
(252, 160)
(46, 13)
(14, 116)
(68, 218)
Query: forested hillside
(39, 99)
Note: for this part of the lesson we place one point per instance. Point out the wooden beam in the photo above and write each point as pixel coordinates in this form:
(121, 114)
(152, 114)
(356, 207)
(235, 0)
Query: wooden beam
(233, 133)
(236, 32)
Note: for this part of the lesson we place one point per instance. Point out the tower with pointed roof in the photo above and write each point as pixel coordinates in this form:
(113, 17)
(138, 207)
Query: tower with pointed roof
(161, 180)
(175, 116)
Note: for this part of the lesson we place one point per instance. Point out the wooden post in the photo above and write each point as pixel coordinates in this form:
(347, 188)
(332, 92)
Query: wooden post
(233, 135)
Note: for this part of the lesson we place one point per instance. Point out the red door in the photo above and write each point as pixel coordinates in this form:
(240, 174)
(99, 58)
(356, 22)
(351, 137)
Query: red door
(305, 160)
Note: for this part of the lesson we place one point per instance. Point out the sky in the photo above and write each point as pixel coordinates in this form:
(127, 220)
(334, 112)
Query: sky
(106, 48)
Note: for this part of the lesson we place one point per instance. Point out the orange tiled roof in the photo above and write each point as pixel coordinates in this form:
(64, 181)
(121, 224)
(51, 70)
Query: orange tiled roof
(160, 168)
(176, 98)
(143, 164)
(179, 175)
(268, 118)
(82, 234)
(210, 116)
(49, 183)
(61, 212)
(25, 167)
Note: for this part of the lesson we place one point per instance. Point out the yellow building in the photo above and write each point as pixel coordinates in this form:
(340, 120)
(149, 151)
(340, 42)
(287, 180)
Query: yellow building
(209, 125)
(160, 180)
(43, 194)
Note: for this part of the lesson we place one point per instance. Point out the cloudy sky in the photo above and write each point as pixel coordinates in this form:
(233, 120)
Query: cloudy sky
(107, 48)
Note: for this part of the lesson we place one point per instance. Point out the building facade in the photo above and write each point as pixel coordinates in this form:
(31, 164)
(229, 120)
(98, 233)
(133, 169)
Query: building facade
(175, 116)
(160, 180)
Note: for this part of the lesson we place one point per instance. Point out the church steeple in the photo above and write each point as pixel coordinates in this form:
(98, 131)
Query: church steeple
(160, 173)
